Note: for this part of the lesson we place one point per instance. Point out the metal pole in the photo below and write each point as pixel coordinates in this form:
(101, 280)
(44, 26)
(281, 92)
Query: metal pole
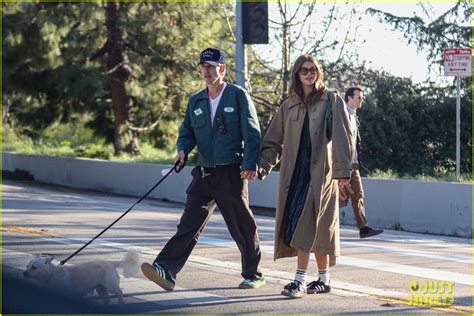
(458, 127)
(240, 65)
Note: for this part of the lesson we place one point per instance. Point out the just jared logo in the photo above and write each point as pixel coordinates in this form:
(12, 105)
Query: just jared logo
(431, 293)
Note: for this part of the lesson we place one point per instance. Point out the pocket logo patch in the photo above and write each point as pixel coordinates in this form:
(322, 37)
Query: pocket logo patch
(228, 109)
(197, 112)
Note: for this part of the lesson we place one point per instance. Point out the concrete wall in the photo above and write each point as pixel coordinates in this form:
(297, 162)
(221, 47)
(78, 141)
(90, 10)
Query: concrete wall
(426, 207)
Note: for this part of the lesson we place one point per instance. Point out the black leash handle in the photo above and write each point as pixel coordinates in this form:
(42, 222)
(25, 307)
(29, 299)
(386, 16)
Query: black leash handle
(178, 166)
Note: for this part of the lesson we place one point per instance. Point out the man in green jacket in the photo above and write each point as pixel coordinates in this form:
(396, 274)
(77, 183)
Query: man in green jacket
(221, 121)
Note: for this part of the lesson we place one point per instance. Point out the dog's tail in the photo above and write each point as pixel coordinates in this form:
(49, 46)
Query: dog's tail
(130, 263)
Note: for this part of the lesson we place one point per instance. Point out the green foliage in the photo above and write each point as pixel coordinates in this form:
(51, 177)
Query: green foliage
(410, 129)
(397, 226)
(54, 70)
(93, 151)
(66, 140)
(444, 177)
(148, 154)
(77, 146)
(58, 99)
(46, 79)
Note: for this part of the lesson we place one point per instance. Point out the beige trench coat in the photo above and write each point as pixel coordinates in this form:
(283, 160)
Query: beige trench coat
(318, 227)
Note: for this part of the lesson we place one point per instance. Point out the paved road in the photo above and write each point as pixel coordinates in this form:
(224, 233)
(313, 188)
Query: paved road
(372, 275)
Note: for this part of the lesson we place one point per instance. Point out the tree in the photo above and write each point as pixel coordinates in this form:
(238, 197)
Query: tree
(304, 27)
(45, 79)
(118, 74)
(449, 30)
(131, 77)
(431, 34)
(409, 128)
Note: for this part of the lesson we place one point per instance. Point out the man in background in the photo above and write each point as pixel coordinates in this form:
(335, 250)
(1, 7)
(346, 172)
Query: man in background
(354, 98)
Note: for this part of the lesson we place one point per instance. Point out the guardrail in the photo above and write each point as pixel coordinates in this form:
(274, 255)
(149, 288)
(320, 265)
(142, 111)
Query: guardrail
(417, 206)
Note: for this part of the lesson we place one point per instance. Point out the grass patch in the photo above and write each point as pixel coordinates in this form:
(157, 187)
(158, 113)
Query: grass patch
(85, 147)
(52, 146)
(442, 177)
(80, 142)
(148, 154)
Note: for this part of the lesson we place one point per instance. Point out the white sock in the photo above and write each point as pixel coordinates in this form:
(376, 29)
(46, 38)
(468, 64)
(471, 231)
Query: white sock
(301, 276)
(324, 276)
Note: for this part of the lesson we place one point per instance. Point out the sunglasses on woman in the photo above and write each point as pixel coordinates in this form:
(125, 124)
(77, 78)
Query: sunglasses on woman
(304, 71)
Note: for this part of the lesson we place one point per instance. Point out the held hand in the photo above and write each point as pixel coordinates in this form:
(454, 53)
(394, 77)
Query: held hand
(345, 189)
(249, 175)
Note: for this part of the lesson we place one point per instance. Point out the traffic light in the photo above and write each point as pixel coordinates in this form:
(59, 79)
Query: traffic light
(255, 22)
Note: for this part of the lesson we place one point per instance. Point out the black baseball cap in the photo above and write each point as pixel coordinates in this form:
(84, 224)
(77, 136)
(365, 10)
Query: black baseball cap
(212, 56)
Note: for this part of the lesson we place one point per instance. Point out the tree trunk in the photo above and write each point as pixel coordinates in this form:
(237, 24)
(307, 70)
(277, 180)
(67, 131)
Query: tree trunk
(118, 75)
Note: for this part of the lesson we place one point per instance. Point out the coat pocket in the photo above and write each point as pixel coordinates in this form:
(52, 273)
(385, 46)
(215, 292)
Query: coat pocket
(294, 113)
(198, 121)
(230, 115)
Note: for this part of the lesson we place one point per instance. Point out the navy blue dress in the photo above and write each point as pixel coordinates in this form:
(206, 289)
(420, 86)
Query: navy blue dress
(299, 184)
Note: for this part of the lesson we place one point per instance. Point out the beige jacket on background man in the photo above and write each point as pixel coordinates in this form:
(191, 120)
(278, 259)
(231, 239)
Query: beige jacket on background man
(318, 227)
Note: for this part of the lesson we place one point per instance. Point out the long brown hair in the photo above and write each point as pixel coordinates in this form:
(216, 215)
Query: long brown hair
(296, 88)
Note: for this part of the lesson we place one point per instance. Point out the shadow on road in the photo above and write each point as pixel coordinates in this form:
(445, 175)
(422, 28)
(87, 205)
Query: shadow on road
(20, 296)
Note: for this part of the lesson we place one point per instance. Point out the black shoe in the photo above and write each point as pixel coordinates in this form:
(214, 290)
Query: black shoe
(159, 275)
(294, 290)
(317, 287)
(369, 232)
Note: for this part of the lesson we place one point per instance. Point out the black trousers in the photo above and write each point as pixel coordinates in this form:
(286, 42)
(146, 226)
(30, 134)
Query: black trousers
(224, 188)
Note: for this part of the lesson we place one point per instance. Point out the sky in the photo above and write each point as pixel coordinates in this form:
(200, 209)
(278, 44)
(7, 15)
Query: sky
(387, 49)
(379, 46)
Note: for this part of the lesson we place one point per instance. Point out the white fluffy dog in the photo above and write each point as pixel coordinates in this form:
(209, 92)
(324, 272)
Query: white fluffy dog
(84, 278)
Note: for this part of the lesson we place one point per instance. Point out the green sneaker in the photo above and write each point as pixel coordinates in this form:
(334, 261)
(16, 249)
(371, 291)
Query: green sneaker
(159, 275)
(252, 284)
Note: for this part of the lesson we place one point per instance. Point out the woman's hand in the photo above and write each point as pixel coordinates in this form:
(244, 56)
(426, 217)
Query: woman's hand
(345, 189)
(249, 175)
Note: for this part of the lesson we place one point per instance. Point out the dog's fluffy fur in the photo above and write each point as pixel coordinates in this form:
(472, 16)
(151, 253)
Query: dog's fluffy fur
(84, 278)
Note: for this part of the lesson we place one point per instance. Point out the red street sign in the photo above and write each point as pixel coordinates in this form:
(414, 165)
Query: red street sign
(457, 62)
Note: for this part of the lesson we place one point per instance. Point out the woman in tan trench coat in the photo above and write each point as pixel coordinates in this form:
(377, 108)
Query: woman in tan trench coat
(312, 156)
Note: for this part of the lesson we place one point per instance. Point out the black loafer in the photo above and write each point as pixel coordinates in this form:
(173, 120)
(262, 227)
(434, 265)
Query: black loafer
(369, 232)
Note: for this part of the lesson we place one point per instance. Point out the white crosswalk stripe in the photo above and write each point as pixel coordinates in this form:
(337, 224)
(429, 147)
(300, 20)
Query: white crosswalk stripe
(459, 278)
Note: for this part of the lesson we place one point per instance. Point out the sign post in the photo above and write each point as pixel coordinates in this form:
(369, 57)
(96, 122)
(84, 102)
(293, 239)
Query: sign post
(457, 62)
(240, 53)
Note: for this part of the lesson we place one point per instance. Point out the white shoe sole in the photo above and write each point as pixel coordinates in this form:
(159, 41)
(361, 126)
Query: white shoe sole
(315, 292)
(150, 272)
(292, 295)
(246, 287)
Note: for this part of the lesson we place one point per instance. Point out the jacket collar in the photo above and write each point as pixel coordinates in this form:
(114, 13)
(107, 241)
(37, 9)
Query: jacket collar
(294, 101)
(203, 94)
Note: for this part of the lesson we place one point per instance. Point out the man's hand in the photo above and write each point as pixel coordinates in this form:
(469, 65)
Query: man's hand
(249, 175)
(181, 157)
(345, 189)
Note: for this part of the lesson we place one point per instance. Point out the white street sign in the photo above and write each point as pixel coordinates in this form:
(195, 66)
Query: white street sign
(457, 62)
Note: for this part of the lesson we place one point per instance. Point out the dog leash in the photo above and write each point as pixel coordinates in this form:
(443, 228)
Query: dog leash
(178, 166)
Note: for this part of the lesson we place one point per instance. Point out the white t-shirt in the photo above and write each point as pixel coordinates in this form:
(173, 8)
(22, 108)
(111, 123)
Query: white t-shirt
(355, 130)
(215, 103)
